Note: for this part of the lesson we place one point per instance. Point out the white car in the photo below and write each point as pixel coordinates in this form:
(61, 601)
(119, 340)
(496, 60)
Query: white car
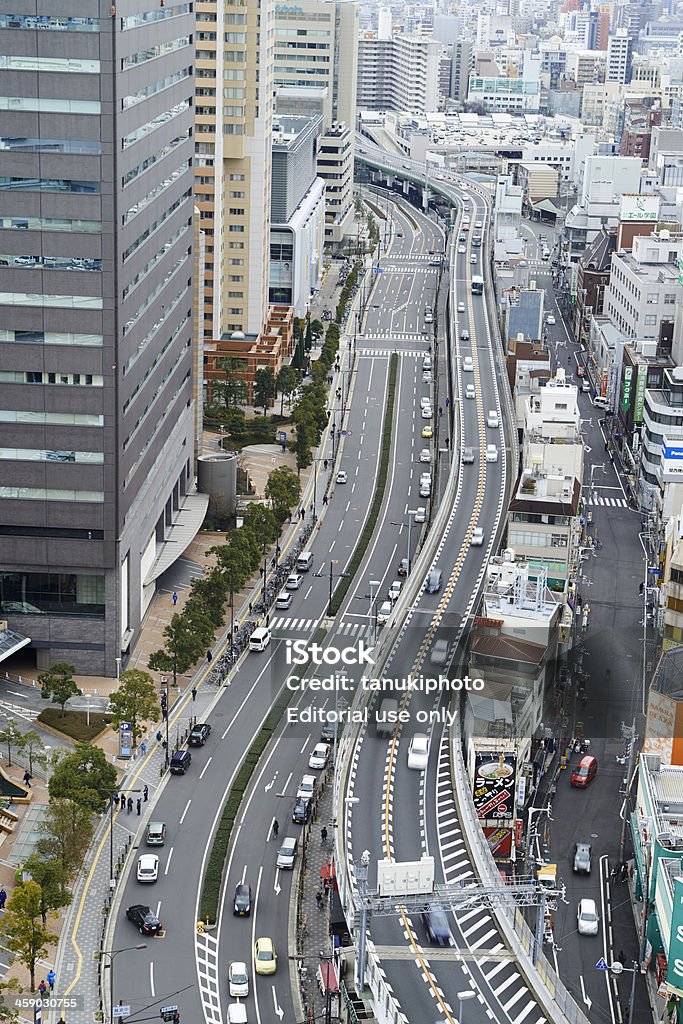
(384, 613)
(342, 476)
(294, 581)
(470, 392)
(418, 751)
(473, 258)
(306, 787)
(426, 412)
(492, 419)
(238, 979)
(319, 756)
(237, 1013)
(550, 319)
(468, 364)
(477, 537)
(425, 455)
(148, 868)
(284, 599)
(425, 402)
(395, 591)
(491, 453)
(420, 514)
(439, 652)
(587, 917)
(462, 249)
(427, 377)
(461, 307)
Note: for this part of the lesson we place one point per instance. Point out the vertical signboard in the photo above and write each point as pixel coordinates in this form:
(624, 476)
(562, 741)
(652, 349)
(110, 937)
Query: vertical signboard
(640, 394)
(674, 970)
(494, 785)
(125, 740)
(626, 393)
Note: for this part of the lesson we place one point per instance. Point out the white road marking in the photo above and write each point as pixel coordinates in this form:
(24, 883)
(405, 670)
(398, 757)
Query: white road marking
(201, 774)
(168, 862)
(151, 978)
(187, 806)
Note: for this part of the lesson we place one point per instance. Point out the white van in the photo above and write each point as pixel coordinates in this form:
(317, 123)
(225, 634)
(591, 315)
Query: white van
(600, 402)
(304, 561)
(259, 639)
(287, 853)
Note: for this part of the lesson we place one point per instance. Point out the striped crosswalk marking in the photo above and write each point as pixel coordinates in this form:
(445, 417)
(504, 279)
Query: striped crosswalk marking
(608, 502)
(303, 625)
(389, 352)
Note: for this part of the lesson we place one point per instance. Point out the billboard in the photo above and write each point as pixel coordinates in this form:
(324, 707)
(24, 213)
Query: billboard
(671, 465)
(640, 394)
(674, 970)
(500, 842)
(626, 392)
(637, 207)
(494, 785)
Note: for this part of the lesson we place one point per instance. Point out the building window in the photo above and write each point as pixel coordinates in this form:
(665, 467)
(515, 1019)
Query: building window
(49, 455)
(51, 338)
(154, 51)
(669, 298)
(63, 64)
(652, 298)
(42, 593)
(46, 106)
(650, 321)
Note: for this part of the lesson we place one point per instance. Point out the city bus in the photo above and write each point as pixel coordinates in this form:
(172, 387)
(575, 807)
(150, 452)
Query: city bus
(477, 284)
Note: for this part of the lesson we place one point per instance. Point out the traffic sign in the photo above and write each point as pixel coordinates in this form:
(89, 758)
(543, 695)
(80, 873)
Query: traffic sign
(602, 965)
(122, 1011)
(168, 1009)
(379, 270)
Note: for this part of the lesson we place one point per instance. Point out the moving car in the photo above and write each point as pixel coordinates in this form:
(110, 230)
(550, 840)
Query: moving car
(199, 734)
(148, 867)
(237, 1013)
(461, 307)
(426, 412)
(425, 402)
(284, 599)
(469, 391)
(436, 924)
(434, 581)
(435, 261)
(306, 787)
(418, 751)
(265, 957)
(473, 258)
(439, 652)
(403, 567)
(587, 917)
(329, 731)
(429, 318)
(468, 364)
(287, 853)
(491, 453)
(585, 772)
(319, 756)
(241, 903)
(144, 920)
(468, 455)
(477, 537)
(395, 590)
(582, 858)
(259, 639)
(420, 514)
(384, 613)
(461, 248)
(294, 581)
(425, 455)
(180, 762)
(492, 418)
(301, 811)
(550, 319)
(425, 489)
(464, 335)
(238, 979)
(427, 430)
(156, 833)
(426, 362)
(342, 476)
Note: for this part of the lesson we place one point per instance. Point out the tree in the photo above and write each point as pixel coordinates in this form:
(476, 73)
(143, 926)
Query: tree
(50, 875)
(211, 593)
(283, 489)
(308, 338)
(181, 650)
(8, 1015)
(58, 684)
(262, 521)
(66, 831)
(22, 927)
(198, 619)
(299, 357)
(33, 747)
(233, 390)
(233, 565)
(135, 701)
(288, 382)
(12, 737)
(85, 776)
(317, 330)
(304, 443)
(264, 388)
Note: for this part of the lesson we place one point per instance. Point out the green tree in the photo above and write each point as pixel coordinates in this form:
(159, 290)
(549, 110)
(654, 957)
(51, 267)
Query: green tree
(12, 737)
(83, 775)
(50, 875)
(299, 356)
(180, 651)
(135, 701)
(248, 542)
(317, 330)
(263, 522)
(308, 337)
(264, 388)
(233, 564)
(58, 684)
(33, 747)
(199, 620)
(66, 831)
(287, 382)
(303, 446)
(8, 1015)
(22, 927)
(232, 390)
(283, 489)
(211, 593)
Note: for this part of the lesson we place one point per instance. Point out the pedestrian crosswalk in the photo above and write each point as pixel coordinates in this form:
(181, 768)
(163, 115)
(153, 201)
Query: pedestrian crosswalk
(390, 352)
(295, 625)
(398, 336)
(607, 502)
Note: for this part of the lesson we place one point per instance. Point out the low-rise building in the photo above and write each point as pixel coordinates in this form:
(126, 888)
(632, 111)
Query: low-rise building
(542, 523)
(249, 353)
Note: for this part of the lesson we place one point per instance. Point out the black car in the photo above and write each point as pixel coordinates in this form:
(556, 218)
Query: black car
(436, 924)
(199, 735)
(329, 731)
(241, 905)
(180, 762)
(146, 922)
(301, 811)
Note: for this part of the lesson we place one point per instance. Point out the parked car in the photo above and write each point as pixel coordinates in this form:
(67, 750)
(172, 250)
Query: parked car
(306, 787)
(403, 567)
(294, 581)
(427, 430)
(301, 811)
(425, 455)
(384, 613)
(148, 867)
(550, 319)
(420, 514)
(319, 756)
(395, 589)
(199, 735)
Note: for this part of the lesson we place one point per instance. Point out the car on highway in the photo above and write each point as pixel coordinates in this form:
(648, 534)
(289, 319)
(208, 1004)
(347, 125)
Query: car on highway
(468, 364)
(384, 613)
(468, 455)
(418, 751)
(462, 250)
(473, 258)
(180, 762)
(587, 919)
(582, 858)
(403, 567)
(199, 734)
(491, 453)
(492, 419)
(426, 412)
(301, 811)
(284, 599)
(439, 652)
(329, 731)
(287, 854)
(461, 307)
(469, 391)
(425, 455)
(550, 319)
(395, 590)
(294, 581)
(429, 317)
(237, 1013)
(238, 979)
(425, 402)
(306, 787)
(427, 430)
(420, 514)
(342, 476)
(241, 901)
(464, 335)
(477, 537)
(148, 868)
(156, 833)
(319, 756)
(144, 920)
(434, 581)
(436, 925)
(265, 957)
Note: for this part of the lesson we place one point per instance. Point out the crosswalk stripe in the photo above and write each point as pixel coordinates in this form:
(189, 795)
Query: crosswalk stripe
(506, 984)
(483, 939)
(515, 999)
(525, 1012)
(475, 927)
(372, 352)
(494, 970)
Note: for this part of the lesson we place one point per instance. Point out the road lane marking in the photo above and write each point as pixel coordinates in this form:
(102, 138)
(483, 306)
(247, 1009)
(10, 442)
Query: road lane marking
(187, 805)
(151, 979)
(201, 774)
(253, 941)
(168, 862)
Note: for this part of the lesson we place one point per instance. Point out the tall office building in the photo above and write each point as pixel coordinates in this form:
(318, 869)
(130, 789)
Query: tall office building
(619, 57)
(316, 54)
(233, 127)
(96, 317)
(399, 74)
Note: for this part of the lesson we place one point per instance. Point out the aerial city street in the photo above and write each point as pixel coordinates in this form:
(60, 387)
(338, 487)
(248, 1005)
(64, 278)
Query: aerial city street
(341, 512)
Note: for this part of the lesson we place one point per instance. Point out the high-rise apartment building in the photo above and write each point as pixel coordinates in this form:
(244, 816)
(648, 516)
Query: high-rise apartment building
(619, 57)
(96, 318)
(316, 55)
(401, 73)
(233, 131)
(461, 65)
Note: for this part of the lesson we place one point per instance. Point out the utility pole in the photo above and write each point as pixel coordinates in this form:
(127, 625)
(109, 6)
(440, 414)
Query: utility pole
(362, 879)
(629, 734)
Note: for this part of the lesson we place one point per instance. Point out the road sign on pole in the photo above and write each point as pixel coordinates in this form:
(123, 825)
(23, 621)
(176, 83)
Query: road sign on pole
(602, 965)
(122, 1011)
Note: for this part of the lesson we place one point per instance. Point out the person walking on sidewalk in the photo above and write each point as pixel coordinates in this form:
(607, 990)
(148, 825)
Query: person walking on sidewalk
(319, 900)
(145, 793)
(51, 978)
(175, 598)
(3, 899)
(27, 778)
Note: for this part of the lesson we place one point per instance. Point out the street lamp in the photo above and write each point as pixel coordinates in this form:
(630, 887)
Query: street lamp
(618, 968)
(462, 998)
(112, 954)
(374, 585)
(410, 512)
(332, 575)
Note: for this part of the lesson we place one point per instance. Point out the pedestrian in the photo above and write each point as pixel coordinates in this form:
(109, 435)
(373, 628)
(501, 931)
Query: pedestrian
(27, 778)
(194, 693)
(145, 793)
(143, 748)
(319, 900)
(159, 736)
(130, 804)
(175, 598)
(209, 656)
(42, 988)
(51, 978)
(323, 836)
(268, 619)
(624, 871)
(3, 899)
(250, 607)
(324, 499)
(326, 886)
(115, 798)
(139, 805)
(276, 827)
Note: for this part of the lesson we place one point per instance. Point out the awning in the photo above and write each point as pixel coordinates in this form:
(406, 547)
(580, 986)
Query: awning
(189, 518)
(11, 642)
